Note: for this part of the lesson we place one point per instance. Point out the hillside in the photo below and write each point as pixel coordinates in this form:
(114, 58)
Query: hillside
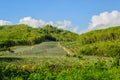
(109, 34)
(21, 34)
(104, 42)
(49, 61)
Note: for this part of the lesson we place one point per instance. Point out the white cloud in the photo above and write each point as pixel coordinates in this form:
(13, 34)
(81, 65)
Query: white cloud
(105, 20)
(3, 22)
(63, 24)
(39, 23)
(31, 22)
(35, 23)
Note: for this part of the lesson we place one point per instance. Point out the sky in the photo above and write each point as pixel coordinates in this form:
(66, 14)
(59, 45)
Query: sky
(75, 15)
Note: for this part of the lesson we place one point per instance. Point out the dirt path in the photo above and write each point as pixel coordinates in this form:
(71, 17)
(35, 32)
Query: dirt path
(66, 50)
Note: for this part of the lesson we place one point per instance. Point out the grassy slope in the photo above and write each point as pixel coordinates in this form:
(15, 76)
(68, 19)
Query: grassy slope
(47, 61)
(54, 64)
(105, 42)
(109, 34)
(37, 54)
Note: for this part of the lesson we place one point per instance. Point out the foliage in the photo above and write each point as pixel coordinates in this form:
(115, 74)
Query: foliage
(109, 49)
(37, 54)
(99, 70)
(108, 34)
(59, 34)
(105, 42)
(28, 64)
(21, 34)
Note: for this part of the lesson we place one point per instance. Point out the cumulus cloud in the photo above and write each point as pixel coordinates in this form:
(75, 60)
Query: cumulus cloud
(63, 24)
(32, 22)
(3, 22)
(35, 23)
(105, 20)
(39, 23)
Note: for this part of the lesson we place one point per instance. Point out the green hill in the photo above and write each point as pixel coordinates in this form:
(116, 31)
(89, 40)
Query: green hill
(21, 34)
(109, 34)
(104, 42)
(48, 60)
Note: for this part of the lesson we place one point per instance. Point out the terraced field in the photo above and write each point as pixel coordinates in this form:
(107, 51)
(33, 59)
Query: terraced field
(34, 55)
(46, 52)
(43, 49)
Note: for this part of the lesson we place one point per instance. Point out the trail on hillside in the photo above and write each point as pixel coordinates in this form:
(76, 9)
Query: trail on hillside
(65, 49)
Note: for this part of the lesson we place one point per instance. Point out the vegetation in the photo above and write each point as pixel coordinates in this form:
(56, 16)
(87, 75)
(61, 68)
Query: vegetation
(99, 70)
(105, 42)
(109, 34)
(105, 49)
(24, 35)
(95, 54)
(47, 61)
(37, 54)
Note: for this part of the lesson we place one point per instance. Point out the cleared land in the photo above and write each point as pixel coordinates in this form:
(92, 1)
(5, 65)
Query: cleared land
(46, 52)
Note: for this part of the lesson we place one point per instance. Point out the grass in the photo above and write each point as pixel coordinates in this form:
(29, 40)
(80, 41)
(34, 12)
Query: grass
(104, 49)
(38, 60)
(43, 49)
(46, 52)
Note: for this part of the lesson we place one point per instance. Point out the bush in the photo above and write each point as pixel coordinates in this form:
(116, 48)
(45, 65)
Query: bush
(99, 70)
(110, 48)
(109, 34)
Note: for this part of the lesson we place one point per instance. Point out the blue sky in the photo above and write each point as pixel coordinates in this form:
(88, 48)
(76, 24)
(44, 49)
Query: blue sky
(78, 12)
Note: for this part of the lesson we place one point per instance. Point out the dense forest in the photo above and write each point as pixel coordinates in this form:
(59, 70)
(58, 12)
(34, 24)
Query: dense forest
(11, 35)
